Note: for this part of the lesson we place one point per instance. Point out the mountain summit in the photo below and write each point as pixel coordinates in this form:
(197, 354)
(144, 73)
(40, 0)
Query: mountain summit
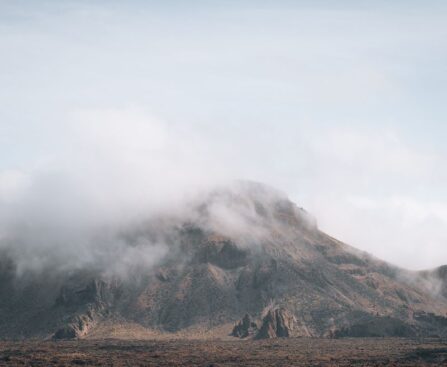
(241, 252)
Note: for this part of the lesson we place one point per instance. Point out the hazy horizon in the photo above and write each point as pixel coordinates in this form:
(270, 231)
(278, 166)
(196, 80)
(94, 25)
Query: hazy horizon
(109, 108)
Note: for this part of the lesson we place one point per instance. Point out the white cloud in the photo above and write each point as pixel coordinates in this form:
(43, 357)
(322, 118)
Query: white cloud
(373, 152)
(371, 189)
(115, 168)
(12, 184)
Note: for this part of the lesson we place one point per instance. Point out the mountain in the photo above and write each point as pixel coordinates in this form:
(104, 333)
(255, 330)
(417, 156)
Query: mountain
(239, 252)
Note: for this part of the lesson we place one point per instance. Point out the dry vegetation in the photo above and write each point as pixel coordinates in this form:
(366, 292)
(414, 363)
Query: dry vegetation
(278, 352)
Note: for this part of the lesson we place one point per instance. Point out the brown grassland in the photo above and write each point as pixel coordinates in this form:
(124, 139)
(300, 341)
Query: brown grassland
(278, 352)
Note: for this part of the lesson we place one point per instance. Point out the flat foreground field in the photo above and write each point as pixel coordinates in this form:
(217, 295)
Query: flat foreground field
(278, 352)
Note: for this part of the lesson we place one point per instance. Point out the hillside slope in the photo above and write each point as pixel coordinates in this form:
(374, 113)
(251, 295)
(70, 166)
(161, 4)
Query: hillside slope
(244, 249)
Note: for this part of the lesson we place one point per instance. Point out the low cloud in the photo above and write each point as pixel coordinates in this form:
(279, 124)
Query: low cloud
(117, 168)
(113, 168)
(374, 194)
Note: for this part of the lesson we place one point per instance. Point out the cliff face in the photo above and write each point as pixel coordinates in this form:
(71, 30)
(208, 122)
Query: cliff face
(242, 250)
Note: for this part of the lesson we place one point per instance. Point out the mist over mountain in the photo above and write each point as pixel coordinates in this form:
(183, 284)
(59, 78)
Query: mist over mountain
(222, 183)
(196, 268)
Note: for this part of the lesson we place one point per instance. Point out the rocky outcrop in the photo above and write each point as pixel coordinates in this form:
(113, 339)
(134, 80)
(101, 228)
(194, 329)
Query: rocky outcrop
(277, 323)
(88, 298)
(245, 328)
(376, 327)
(77, 328)
(431, 324)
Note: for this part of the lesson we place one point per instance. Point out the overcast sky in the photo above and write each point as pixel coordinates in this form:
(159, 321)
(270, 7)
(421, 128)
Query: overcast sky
(341, 106)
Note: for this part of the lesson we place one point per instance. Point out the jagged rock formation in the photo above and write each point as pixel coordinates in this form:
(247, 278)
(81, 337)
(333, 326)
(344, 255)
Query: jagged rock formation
(89, 302)
(245, 328)
(237, 250)
(277, 323)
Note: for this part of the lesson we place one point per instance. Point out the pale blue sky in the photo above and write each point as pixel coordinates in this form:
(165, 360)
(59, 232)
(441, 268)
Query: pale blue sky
(339, 103)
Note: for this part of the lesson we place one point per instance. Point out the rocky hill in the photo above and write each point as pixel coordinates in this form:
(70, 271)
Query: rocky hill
(239, 250)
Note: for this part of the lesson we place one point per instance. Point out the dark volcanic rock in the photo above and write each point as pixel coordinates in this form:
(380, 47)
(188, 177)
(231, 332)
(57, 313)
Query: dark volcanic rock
(77, 328)
(81, 292)
(431, 324)
(87, 300)
(222, 253)
(245, 327)
(378, 327)
(66, 332)
(278, 323)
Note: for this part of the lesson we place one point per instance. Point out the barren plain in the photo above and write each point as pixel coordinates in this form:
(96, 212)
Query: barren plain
(273, 352)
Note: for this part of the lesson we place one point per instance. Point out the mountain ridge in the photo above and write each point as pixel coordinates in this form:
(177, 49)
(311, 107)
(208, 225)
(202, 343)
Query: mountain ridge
(243, 249)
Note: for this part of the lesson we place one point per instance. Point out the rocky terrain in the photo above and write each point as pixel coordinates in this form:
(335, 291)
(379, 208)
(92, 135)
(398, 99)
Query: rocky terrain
(241, 250)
